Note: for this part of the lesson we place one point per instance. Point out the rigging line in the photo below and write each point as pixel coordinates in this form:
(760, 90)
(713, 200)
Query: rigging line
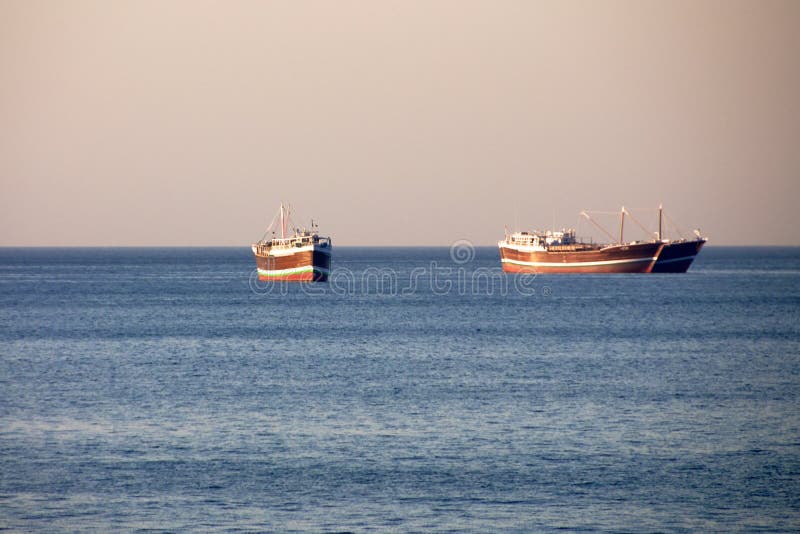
(598, 212)
(579, 229)
(643, 209)
(301, 217)
(675, 226)
(291, 227)
(613, 239)
(651, 213)
(271, 224)
(516, 215)
(287, 219)
(629, 214)
(290, 224)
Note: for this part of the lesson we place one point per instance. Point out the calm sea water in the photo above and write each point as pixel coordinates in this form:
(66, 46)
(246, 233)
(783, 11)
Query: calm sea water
(419, 390)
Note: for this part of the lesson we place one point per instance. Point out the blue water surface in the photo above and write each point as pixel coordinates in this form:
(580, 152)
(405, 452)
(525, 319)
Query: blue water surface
(420, 390)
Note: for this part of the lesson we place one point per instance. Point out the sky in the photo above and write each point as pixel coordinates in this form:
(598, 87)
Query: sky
(186, 123)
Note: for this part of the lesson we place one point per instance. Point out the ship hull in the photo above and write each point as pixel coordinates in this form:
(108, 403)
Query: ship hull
(677, 257)
(634, 258)
(306, 264)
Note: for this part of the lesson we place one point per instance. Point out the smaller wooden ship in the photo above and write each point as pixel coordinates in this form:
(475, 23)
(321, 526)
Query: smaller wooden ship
(298, 255)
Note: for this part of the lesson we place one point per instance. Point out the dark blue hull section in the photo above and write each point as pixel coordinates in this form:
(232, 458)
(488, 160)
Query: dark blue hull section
(677, 257)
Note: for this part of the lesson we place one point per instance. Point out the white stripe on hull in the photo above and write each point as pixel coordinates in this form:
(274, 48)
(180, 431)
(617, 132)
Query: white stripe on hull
(574, 264)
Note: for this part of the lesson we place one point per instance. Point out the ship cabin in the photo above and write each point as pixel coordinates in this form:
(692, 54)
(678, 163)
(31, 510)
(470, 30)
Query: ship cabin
(301, 238)
(542, 240)
(549, 241)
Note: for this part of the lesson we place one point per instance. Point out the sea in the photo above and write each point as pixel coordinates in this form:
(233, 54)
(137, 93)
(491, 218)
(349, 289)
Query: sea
(419, 390)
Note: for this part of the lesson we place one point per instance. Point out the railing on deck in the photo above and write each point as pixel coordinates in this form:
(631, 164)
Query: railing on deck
(263, 247)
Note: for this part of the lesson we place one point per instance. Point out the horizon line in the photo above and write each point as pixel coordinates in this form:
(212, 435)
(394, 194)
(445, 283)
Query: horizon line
(337, 246)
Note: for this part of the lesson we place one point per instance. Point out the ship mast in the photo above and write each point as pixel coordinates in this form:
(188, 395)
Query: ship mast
(621, 223)
(283, 222)
(660, 210)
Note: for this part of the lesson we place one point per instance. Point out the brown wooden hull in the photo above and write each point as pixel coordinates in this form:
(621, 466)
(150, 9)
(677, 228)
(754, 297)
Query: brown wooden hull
(305, 265)
(633, 258)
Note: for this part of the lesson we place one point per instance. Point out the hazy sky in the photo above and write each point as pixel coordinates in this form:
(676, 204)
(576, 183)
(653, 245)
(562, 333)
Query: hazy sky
(394, 123)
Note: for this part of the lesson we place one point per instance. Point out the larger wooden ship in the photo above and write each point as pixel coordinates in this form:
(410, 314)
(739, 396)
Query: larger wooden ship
(298, 255)
(561, 252)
